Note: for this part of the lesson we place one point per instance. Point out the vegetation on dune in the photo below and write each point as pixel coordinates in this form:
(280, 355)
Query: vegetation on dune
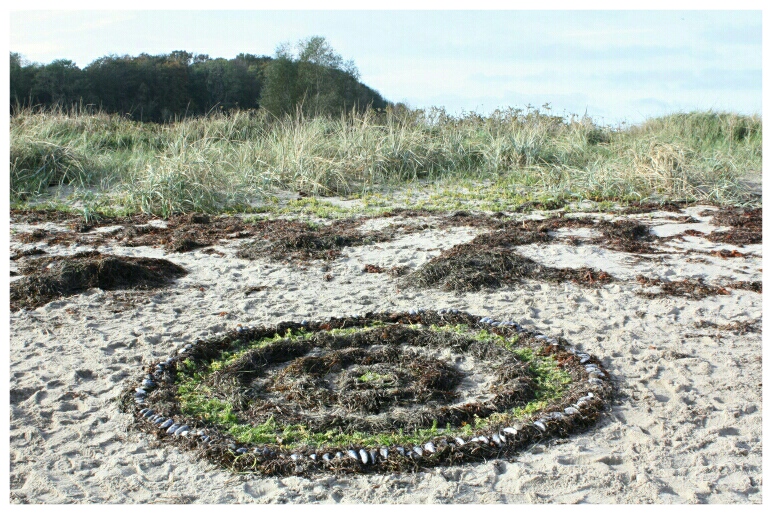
(222, 161)
(240, 130)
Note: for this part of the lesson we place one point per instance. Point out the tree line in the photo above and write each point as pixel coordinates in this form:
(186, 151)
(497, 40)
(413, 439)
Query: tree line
(309, 76)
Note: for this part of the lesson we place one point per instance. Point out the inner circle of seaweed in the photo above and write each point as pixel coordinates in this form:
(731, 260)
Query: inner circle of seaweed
(370, 380)
(383, 391)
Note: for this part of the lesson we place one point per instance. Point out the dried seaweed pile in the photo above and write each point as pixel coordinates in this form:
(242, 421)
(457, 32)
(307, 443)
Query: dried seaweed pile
(752, 285)
(49, 278)
(737, 327)
(745, 226)
(490, 261)
(289, 240)
(694, 289)
(645, 207)
(180, 233)
(276, 239)
(690, 288)
(30, 252)
(626, 236)
(380, 392)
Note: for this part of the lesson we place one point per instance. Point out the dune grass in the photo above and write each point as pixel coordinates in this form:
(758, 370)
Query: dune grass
(223, 162)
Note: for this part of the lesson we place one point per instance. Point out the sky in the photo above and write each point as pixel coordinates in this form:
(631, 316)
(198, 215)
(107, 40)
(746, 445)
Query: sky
(616, 66)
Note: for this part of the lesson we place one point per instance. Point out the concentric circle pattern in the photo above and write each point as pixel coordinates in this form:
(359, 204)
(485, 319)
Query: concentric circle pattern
(380, 392)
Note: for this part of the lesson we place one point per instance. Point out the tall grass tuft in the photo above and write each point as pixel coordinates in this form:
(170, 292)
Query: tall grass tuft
(224, 161)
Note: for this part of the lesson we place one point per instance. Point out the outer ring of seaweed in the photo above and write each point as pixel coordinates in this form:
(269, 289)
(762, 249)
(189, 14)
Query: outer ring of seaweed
(576, 411)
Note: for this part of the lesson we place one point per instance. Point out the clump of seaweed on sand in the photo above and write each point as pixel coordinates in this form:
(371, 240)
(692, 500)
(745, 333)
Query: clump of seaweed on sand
(48, 278)
(490, 261)
(745, 226)
(694, 289)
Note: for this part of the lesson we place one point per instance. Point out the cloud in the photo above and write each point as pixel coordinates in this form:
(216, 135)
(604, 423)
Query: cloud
(26, 26)
(746, 35)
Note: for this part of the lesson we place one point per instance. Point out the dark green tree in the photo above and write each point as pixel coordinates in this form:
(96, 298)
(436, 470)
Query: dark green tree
(166, 87)
(58, 83)
(21, 79)
(317, 80)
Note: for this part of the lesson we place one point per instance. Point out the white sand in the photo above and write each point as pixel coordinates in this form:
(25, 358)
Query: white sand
(685, 427)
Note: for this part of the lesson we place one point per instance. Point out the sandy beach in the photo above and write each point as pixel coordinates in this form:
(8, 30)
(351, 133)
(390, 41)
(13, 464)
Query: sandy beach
(684, 425)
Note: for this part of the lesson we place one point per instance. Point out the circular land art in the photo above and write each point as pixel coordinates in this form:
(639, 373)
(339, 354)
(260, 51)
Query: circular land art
(379, 392)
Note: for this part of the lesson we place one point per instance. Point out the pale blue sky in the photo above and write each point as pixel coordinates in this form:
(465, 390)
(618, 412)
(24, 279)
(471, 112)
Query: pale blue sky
(616, 65)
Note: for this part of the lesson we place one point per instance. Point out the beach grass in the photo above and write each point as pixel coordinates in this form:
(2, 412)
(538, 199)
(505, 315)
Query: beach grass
(240, 161)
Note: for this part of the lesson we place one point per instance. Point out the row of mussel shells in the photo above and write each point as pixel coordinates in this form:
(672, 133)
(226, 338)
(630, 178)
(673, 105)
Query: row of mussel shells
(500, 438)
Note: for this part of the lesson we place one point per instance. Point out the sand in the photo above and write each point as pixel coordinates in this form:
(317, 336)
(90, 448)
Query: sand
(685, 425)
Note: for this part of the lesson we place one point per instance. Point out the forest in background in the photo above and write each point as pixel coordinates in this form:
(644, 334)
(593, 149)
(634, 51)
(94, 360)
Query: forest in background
(309, 76)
